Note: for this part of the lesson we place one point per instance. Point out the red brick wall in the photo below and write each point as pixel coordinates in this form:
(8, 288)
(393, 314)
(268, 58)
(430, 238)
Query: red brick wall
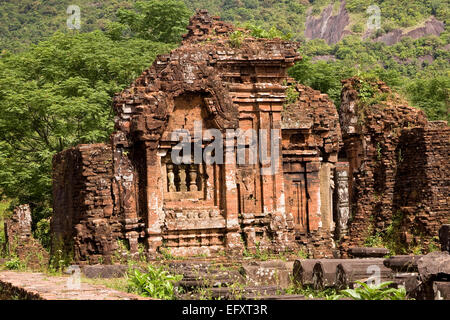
(422, 187)
(83, 217)
(380, 173)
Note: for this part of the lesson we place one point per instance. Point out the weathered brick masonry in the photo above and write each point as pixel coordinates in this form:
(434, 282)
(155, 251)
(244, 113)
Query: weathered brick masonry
(398, 167)
(422, 190)
(133, 191)
(325, 187)
(85, 223)
(20, 241)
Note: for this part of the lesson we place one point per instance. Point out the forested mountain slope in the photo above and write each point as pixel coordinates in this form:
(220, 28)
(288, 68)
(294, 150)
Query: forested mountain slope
(28, 21)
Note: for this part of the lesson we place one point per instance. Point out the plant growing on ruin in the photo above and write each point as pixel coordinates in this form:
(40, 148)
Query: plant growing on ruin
(328, 294)
(291, 94)
(155, 282)
(14, 264)
(374, 292)
(273, 33)
(302, 254)
(379, 151)
(236, 39)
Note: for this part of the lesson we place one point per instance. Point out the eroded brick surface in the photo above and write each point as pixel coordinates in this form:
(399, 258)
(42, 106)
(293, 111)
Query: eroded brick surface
(20, 241)
(398, 167)
(328, 185)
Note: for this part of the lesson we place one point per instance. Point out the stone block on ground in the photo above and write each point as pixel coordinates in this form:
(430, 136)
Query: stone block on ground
(441, 290)
(434, 266)
(361, 252)
(276, 272)
(402, 263)
(104, 271)
(444, 237)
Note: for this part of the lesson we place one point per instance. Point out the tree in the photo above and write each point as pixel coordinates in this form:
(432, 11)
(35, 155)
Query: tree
(156, 20)
(57, 95)
(432, 96)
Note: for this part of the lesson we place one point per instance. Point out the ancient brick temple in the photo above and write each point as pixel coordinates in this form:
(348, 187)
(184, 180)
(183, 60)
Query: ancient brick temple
(132, 190)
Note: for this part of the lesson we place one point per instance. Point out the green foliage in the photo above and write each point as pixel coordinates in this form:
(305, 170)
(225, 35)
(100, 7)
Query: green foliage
(321, 75)
(154, 20)
(259, 32)
(57, 95)
(374, 241)
(14, 264)
(42, 232)
(4, 212)
(288, 16)
(425, 85)
(236, 39)
(156, 282)
(328, 294)
(432, 96)
(358, 28)
(302, 254)
(26, 22)
(374, 292)
(291, 94)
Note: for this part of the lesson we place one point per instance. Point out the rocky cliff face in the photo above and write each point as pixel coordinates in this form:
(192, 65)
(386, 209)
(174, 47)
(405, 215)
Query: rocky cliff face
(328, 27)
(431, 27)
(332, 28)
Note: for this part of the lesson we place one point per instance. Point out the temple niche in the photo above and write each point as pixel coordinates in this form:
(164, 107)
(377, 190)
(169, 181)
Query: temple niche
(207, 157)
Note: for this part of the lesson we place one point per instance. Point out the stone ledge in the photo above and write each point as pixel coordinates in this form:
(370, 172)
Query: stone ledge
(39, 286)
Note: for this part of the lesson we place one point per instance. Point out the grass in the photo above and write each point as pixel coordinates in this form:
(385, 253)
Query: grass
(328, 294)
(119, 284)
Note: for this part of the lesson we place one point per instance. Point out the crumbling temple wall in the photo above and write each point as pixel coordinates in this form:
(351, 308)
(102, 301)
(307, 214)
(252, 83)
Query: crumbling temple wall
(134, 190)
(311, 140)
(84, 223)
(378, 142)
(421, 197)
(20, 241)
(331, 176)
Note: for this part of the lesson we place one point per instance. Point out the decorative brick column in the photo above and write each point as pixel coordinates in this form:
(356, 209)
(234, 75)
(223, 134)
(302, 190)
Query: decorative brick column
(154, 199)
(233, 241)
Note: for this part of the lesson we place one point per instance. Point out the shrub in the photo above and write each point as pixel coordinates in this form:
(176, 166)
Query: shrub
(14, 264)
(374, 292)
(358, 28)
(42, 232)
(236, 39)
(156, 282)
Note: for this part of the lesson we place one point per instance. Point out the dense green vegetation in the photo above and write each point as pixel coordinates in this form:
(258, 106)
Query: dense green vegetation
(155, 282)
(57, 94)
(289, 16)
(402, 66)
(56, 84)
(381, 291)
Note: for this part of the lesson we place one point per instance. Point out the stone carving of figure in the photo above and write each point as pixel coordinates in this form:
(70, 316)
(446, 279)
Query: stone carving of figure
(343, 218)
(182, 175)
(343, 209)
(193, 178)
(171, 178)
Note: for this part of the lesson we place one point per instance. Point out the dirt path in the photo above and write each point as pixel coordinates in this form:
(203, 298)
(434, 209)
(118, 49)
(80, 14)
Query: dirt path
(39, 286)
